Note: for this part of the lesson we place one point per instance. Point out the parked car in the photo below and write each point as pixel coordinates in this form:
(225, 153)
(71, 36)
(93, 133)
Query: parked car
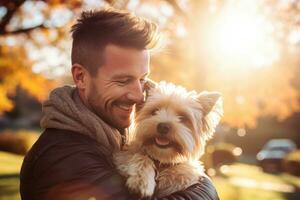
(272, 154)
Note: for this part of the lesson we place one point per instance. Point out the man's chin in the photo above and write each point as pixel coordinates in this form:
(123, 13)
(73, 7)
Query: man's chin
(120, 124)
(121, 121)
(124, 125)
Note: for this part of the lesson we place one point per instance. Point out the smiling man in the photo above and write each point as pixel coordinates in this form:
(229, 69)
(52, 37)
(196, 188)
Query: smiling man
(84, 124)
(117, 85)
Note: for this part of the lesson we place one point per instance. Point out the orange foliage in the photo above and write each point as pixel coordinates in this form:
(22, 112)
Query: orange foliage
(249, 91)
(261, 92)
(189, 59)
(15, 71)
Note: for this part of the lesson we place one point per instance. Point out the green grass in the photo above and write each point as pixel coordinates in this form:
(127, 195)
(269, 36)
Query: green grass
(227, 189)
(247, 182)
(10, 163)
(9, 188)
(9, 179)
(255, 173)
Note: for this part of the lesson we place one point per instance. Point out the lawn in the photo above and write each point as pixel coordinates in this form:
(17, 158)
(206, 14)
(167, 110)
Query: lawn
(9, 176)
(235, 182)
(247, 182)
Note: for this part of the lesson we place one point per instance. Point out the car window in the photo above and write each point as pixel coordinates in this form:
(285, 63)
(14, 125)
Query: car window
(285, 149)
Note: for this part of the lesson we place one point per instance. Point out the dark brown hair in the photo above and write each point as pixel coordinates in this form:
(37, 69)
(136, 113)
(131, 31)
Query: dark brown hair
(95, 29)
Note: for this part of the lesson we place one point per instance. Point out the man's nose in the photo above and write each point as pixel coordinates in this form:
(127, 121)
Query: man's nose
(136, 93)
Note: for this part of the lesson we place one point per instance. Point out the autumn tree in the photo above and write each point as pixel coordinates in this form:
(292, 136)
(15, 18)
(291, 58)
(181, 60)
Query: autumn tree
(33, 37)
(248, 50)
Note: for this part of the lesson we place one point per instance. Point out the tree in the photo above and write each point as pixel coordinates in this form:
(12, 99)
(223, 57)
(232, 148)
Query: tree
(245, 49)
(29, 31)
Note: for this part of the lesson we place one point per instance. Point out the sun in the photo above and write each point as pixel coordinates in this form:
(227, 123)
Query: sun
(244, 37)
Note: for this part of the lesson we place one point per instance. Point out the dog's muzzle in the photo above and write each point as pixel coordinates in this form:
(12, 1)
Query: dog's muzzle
(163, 128)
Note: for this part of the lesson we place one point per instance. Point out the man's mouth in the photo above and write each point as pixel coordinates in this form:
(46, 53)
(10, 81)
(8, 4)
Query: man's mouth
(127, 108)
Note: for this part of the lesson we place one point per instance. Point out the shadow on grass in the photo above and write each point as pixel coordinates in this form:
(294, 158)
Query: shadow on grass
(294, 195)
(4, 176)
(9, 186)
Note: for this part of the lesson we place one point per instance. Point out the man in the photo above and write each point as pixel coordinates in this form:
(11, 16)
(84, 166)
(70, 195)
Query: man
(85, 124)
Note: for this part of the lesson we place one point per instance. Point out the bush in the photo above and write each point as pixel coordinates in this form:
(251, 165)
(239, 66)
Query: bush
(291, 163)
(17, 142)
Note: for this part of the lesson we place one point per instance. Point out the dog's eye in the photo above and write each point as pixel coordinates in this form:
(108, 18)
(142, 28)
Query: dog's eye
(153, 112)
(183, 117)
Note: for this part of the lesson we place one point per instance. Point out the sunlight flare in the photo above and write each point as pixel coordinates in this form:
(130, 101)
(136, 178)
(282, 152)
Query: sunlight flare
(243, 37)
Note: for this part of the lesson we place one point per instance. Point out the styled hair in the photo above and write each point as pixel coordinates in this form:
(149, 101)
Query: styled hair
(96, 29)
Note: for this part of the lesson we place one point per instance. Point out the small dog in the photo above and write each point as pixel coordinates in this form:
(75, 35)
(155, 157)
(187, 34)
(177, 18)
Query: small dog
(170, 133)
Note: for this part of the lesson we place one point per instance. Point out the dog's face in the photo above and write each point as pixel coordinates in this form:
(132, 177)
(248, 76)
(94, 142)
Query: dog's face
(173, 124)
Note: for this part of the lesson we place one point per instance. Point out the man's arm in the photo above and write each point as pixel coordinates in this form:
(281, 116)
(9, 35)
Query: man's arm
(66, 166)
(204, 190)
(97, 178)
(75, 166)
(86, 173)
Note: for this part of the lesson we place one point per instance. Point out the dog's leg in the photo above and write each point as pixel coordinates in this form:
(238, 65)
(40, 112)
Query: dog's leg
(139, 170)
(178, 178)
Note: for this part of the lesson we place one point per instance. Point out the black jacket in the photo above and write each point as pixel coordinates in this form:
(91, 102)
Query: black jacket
(64, 165)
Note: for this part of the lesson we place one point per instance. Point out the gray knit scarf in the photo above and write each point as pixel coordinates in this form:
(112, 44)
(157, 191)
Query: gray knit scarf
(65, 110)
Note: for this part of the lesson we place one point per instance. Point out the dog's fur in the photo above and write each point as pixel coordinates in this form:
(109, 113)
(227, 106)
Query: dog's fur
(170, 133)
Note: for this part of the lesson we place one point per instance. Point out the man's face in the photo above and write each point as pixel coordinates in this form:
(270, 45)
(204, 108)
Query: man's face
(118, 84)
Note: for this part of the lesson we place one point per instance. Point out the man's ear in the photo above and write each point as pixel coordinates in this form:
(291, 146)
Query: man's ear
(80, 76)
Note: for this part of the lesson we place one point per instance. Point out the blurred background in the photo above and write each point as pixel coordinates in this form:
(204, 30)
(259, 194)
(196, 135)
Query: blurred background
(249, 50)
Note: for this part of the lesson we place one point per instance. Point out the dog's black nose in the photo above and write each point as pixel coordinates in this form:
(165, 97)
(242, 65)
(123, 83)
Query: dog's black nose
(163, 128)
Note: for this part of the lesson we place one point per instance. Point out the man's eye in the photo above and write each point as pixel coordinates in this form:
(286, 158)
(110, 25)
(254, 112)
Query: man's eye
(123, 82)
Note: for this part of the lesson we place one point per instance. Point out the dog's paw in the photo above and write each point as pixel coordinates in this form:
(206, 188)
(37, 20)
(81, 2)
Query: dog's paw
(142, 185)
(184, 175)
(165, 187)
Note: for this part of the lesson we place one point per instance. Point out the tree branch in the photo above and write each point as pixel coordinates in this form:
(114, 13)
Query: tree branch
(12, 7)
(25, 30)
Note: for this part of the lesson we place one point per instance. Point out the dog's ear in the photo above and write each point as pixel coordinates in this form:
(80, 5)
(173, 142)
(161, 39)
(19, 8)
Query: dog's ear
(211, 105)
(208, 100)
(150, 84)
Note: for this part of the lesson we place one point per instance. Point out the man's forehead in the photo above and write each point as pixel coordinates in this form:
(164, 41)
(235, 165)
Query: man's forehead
(120, 75)
(124, 61)
(121, 51)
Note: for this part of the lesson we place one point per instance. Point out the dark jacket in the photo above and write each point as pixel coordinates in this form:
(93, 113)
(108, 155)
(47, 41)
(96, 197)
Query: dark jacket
(70, 166)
